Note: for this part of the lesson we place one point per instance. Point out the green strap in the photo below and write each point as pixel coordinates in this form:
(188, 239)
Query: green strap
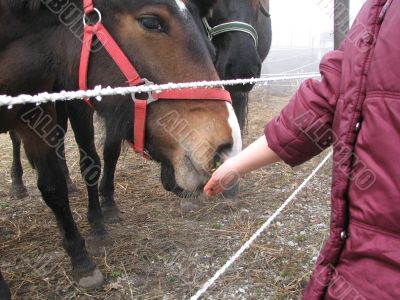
(230, 27)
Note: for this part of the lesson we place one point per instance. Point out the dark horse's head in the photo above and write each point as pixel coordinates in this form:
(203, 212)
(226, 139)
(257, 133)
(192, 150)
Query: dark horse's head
(238, 54)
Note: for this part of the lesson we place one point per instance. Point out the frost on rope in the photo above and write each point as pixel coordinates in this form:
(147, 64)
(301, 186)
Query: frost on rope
(99, 92)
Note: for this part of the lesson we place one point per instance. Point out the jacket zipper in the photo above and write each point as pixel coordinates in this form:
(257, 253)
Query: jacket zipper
(384, 11)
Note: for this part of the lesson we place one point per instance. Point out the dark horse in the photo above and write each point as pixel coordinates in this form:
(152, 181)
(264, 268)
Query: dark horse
(240, 50)
(163, 42)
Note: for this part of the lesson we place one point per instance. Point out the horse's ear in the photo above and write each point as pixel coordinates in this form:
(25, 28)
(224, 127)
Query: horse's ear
(204, 6)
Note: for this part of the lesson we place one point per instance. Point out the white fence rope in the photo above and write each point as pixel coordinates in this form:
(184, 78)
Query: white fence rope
(245, 246)
(309, 74)
(99, 92)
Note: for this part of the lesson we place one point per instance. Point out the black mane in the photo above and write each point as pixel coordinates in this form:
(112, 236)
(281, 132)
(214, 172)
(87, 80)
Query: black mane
(19, 18)
(31, 9)
(18, 6)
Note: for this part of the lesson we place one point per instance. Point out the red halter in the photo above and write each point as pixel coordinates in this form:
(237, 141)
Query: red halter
(133, 78)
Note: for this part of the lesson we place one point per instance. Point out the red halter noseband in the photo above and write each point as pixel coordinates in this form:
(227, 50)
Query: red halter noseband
(133, 78)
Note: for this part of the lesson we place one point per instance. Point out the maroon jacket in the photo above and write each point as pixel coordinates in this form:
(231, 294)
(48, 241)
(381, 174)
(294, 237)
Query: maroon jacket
(355, 107)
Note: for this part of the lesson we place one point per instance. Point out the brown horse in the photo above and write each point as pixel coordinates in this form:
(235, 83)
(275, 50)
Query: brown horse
(163, 42)
(238, 56)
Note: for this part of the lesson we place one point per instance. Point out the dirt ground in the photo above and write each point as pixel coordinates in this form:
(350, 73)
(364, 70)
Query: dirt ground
(160, 249)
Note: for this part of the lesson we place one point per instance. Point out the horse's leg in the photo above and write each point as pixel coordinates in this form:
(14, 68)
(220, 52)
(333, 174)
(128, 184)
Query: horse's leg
(81, 118)
(53, 187)
(62, 120)
(18, 189)
(112, 151)
(4, 290)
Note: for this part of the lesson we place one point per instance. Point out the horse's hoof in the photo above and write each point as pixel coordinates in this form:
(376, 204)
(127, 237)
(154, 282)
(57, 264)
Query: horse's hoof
(91, 281)
(97, 245)
(18, 191)
(6, 296)
(111, 214)
(5, 293)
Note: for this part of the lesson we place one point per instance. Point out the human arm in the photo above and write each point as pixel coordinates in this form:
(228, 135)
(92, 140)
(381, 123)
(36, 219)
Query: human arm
(303, 128)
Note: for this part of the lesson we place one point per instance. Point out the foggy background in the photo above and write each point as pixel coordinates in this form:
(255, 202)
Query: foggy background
(302, 32)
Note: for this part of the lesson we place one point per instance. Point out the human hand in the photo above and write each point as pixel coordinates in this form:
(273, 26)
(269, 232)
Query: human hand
(226, 176)
(255, 156)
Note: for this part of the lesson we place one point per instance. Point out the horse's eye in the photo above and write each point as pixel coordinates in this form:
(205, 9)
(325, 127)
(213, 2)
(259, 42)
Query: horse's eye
(151, 24)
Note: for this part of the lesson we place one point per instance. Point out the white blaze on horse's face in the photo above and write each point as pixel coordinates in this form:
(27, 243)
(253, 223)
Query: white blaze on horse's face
(236, 135)
(181, 5)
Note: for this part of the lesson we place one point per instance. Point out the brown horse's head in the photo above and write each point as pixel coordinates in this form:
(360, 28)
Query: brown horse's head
(164, 43)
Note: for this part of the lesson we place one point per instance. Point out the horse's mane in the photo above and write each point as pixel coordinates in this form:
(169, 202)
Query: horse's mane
(34, 7)
(28, 7)
(17, 6)
(33, 14)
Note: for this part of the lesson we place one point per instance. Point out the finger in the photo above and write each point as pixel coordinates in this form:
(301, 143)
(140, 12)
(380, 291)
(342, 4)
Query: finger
(212, 190)
(210, 184)
(212, 193)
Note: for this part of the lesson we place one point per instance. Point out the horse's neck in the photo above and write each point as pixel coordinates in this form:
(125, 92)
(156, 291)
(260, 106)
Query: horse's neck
(263, 28)
(66, 49)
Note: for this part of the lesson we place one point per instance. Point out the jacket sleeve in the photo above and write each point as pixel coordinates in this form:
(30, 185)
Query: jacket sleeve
(303, 127)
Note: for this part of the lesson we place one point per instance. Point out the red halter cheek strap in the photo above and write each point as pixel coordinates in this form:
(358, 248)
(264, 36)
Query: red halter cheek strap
(133, 78)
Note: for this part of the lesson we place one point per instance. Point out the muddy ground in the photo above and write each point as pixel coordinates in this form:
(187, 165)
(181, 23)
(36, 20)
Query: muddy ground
(160, 249)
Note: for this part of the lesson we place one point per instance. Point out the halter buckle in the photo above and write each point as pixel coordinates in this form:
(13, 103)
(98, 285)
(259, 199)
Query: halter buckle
(150, 97)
